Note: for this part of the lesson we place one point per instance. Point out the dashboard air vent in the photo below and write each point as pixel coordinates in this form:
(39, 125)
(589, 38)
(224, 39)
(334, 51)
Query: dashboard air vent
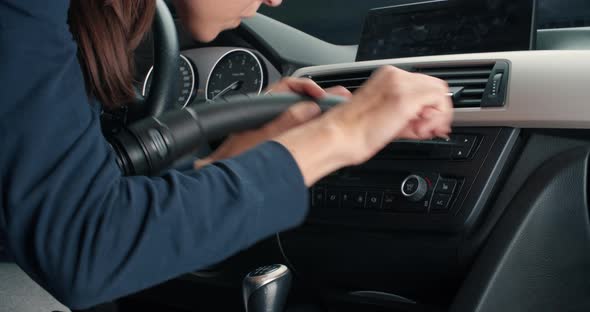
(473, 79)
(351, 81)
(481, 85)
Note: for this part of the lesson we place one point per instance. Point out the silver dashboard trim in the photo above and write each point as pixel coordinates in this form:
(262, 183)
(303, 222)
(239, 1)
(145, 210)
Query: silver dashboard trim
(409, 4)
(382, 296)
(547, 89)
(406, 194)
(226, 54)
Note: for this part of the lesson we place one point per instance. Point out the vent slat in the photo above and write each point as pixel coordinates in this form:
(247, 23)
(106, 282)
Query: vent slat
(468, 103)
(361, 79)
(458, 73)
(471, 92)
(467, 82)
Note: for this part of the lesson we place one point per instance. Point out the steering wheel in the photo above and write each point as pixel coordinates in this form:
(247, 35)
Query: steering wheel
(166, 60)
(150, 145)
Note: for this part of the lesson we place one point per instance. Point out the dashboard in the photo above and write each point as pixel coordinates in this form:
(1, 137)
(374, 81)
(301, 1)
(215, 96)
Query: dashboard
(209, 73)
(467, 224)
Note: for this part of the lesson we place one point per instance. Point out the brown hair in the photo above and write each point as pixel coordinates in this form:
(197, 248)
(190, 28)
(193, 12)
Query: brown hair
(107, 33)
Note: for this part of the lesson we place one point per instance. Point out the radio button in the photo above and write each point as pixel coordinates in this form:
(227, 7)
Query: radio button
(414, 188)
(465, 140)
(374, 200)
(333, 199)
(465, 145)
(318, 197)
(359, 199)
(353, 200)
(346, 199)
(440, 202)
(389, 201)
(446, 186)
(461, 153)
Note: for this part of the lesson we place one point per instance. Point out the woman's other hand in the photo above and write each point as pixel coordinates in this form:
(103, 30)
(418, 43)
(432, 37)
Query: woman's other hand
(297, 115)
(306, 86)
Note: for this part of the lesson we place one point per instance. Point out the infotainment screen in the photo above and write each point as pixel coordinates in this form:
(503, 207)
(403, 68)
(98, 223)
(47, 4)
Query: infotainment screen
(448, 27)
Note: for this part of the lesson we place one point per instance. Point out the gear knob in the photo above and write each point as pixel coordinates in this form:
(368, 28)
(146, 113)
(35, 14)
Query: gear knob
(266, 288)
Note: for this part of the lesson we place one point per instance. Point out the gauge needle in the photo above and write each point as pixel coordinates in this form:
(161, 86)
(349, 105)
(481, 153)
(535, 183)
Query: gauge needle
(231, 87)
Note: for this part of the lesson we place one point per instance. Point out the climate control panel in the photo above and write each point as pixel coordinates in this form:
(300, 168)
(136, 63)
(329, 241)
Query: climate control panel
(406, 193)
(433, 185)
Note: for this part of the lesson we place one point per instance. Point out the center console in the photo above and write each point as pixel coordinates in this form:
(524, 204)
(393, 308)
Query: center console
(439, 185)
(399, 224)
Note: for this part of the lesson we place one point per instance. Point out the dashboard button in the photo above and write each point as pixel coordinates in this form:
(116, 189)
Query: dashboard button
(374, 200)
(358, 200)
(410, 185)
(318, 197)
(440, 202)
(333, 199)
(461, 153)
(414, 188)
(389, 201)
(346, 199)
(465, 145)
(446, 186)
(465, 140)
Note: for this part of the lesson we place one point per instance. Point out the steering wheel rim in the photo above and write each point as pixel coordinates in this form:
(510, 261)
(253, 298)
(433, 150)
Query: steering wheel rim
(166, 59)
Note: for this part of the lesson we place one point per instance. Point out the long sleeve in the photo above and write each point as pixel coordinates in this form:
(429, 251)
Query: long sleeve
(73, 222)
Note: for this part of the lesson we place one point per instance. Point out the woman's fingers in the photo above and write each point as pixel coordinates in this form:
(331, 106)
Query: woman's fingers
(298, 85)
(308, 87)
(394, 104)
(340, 91)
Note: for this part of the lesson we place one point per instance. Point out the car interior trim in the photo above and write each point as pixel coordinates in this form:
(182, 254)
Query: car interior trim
(541, 93)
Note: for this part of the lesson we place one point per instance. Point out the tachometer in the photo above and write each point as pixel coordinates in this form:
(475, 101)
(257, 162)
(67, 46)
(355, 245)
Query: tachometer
(186, 83)
(237, 72)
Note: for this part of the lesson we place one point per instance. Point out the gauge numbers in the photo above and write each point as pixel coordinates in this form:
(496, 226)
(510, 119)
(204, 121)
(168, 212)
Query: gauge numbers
(237, 72)
(186, 83)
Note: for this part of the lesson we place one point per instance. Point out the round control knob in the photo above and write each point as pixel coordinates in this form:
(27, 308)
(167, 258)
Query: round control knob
(414, 188)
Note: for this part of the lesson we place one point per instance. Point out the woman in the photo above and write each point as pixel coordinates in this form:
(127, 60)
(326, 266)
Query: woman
(88, 234)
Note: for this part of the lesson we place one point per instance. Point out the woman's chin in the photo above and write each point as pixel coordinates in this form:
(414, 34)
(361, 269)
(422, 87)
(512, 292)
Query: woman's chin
(230, 26)
(236, 23)
(206, 37)
(210, 34)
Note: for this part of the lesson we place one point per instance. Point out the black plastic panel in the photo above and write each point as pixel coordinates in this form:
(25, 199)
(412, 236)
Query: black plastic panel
(422, 268)
(538, 257)
(427, 267)
(413, 254)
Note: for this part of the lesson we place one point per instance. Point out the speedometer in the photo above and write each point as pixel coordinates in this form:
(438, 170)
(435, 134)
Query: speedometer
(185, 85)
(237, 72)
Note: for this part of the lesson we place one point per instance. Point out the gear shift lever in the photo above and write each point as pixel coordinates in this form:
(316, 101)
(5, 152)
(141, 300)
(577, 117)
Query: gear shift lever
(266, 288)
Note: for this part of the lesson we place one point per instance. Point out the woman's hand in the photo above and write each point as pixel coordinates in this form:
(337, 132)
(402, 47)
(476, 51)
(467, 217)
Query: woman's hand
(295, 116)
(393, 104)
